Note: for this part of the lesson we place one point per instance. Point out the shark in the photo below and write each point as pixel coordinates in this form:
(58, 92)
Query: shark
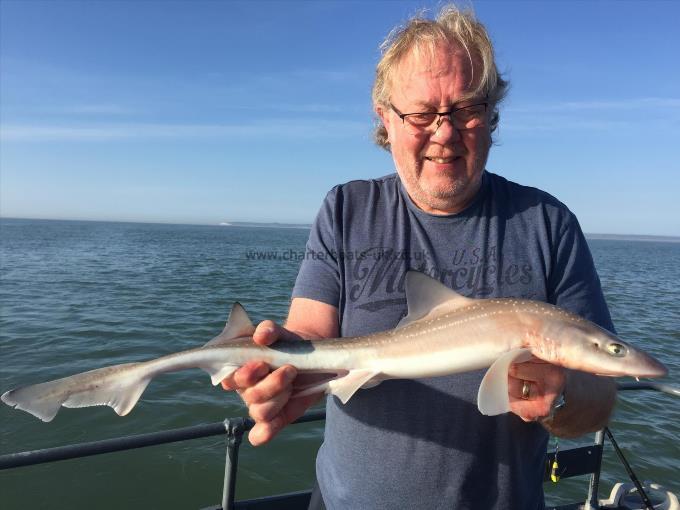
(443, 333)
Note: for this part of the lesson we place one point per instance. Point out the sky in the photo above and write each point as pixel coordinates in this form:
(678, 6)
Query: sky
(216, 111)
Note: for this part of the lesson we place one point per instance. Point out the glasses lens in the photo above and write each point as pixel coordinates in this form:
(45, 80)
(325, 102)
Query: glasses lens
(470, 117)
(419, 122)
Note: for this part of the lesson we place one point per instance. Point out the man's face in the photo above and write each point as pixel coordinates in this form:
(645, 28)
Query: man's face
(441, 170)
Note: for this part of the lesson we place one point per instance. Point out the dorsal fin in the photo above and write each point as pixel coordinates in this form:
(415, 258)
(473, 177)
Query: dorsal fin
(425, 295)
(238, 325)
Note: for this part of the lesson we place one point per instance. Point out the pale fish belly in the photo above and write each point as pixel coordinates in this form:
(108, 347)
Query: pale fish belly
(435, 351)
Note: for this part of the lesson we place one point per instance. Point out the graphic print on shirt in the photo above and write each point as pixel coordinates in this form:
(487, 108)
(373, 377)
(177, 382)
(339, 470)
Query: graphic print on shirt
(378, 274)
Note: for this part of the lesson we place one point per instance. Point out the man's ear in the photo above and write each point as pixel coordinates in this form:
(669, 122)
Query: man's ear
(384, 115)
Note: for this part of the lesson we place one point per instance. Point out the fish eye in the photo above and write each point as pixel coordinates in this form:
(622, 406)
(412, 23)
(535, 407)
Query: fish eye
(617, 349)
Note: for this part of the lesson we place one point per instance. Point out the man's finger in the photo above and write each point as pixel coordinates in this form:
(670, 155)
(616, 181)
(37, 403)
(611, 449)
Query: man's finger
(298, 406)
(267, 410)
(279, 381)
(265, 431)
(543, 373)
(266, 333)
(527, 371)
(516, 389)
(248, 375)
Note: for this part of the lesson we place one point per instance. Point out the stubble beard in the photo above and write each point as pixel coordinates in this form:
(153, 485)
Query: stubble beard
(454, 195)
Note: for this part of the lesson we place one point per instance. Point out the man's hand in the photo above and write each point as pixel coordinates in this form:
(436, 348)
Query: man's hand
(541, 382)
(266, 393)
(590, 398)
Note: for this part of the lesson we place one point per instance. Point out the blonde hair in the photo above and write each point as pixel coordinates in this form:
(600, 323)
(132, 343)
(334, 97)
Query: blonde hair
(452, 27)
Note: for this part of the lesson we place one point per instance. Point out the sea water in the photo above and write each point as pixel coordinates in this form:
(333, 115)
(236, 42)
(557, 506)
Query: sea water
(79, 295)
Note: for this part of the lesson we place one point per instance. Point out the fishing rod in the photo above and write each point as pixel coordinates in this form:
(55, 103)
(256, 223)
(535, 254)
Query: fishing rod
(629, 470)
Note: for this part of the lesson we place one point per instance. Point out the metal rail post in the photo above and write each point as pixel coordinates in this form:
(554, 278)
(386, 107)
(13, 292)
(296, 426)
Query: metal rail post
(235, 428)
(592, 503)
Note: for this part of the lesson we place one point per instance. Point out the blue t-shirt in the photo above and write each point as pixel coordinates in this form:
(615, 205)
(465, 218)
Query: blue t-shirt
(423, 443)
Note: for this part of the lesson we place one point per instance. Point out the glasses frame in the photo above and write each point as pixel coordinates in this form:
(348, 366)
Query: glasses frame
(440, 116)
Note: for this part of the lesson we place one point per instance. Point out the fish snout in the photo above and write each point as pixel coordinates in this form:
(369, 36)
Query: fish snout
(649, 367)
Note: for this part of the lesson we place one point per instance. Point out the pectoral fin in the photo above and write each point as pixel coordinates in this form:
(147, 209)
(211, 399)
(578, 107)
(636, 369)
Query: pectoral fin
(492, 398)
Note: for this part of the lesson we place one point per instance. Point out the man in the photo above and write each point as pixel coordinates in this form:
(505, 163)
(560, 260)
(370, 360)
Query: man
(423, 444)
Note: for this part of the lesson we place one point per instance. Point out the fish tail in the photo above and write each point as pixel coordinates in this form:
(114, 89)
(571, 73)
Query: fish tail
(119, 387)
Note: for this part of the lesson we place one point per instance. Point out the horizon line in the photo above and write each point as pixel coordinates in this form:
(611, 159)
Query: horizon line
(239, 223)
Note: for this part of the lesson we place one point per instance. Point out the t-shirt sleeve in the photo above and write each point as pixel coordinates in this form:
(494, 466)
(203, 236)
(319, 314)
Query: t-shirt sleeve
(574, 284)
(319, 275)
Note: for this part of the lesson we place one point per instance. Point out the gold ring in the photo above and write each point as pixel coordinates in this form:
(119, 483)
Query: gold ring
(526, 390)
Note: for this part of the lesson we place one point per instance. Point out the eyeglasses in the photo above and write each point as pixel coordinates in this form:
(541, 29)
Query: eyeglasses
(466, 117)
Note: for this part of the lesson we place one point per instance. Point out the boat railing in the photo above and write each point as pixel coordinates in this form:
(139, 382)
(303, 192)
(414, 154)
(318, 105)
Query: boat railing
(588, 459)
(573, 462)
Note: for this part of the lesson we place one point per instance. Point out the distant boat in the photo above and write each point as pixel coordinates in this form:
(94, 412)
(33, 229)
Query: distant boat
(225, 224)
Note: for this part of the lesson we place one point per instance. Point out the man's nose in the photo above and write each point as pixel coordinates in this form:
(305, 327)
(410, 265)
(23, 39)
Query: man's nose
(445, 130)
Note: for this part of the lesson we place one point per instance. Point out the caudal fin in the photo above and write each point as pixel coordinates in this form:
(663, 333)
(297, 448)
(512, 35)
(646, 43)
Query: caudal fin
(119, 387)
